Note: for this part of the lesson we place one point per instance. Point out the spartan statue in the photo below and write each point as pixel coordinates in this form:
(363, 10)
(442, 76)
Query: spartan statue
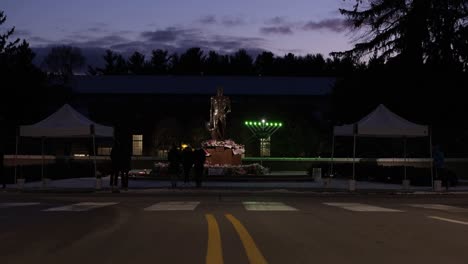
(220, 107)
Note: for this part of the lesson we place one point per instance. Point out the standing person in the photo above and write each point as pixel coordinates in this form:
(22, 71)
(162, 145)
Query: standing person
(439, 163)
(173, 157)
(126, 164)
(187, 162)
(199, 165)
(115, 161)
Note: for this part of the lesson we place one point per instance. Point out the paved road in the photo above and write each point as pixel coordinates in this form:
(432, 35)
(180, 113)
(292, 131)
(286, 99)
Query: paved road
(46, 228)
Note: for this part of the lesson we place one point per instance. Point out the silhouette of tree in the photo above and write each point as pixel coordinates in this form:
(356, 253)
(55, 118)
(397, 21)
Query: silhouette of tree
(137, 64)
(216, 64)
(411, 33)
(173, 63)
(159, 62)
(241, 63)
(5, 46)
(115, 64)
(23, 84)
(312, 65)
(63, 61)
(190, 62)
(193, 62)
(264, 64)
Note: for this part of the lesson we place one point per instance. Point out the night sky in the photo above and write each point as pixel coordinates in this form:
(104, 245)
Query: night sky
(307, 26)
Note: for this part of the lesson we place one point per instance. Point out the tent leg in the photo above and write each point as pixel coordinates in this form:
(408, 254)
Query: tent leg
(404, 155)
(42, 162)
(354, 156)
(332, 156)
(94, 155)
(16, 159)
(432, 160)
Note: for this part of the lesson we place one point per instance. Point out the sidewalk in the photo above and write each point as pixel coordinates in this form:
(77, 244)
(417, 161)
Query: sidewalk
(336, 185)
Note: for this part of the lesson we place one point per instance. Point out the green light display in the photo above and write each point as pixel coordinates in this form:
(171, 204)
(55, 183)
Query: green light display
(263, 123)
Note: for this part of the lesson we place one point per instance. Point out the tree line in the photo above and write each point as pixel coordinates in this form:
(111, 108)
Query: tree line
(194, 61)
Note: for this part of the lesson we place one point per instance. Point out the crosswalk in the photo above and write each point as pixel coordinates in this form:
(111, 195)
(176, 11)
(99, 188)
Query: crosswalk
(247, 205)
(8, 205)
(78, 207)
(173, 206)
(267, 206)
(442, 207)
(358, 207)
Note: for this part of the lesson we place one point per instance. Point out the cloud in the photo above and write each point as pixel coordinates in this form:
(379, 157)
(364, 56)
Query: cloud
(208, 20)
(96, 30)
(172, 39)
(278, 25)
(276, 20)
(281, 30)
(38, 39)
(232, 21)
(104, 41)
(21, 33)
(227, 21)
(331, 24)
(93, 55)
(169, 34)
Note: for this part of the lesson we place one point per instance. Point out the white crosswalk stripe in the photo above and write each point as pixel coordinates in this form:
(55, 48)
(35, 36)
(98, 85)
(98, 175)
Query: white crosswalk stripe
(78, 207)
(442, 207)
(173, 206)
(358, 207)
(9, 205)
(267, 206)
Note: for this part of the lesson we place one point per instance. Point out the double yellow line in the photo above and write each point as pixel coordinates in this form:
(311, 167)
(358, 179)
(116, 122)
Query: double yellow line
(214, 254)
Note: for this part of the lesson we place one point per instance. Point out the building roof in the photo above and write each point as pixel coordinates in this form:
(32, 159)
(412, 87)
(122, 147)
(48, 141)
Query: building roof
(233, 85)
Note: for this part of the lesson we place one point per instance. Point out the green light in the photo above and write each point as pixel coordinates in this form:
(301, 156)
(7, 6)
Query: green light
(276, 124)
(280, 124)
(267, 124)
(246, 123)
(255, 123)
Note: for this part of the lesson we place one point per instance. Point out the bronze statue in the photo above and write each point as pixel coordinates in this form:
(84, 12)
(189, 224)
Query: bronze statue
(220, 107)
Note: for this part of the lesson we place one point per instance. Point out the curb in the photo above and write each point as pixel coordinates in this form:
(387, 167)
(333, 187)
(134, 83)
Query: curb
(216, 191)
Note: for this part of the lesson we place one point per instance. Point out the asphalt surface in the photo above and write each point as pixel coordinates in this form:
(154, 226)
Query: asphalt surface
(127, 228)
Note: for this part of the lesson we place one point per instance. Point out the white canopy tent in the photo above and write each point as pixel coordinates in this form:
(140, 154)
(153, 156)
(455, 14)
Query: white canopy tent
(381, 123)
(65, 123)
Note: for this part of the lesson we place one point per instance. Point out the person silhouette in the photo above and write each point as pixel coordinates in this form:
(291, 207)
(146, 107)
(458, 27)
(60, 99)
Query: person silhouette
(187, 162)
(199, 158)
(174, 159)
(115, 161)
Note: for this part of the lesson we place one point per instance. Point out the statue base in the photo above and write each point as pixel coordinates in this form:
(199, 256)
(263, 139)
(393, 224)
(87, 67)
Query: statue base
(222, 156)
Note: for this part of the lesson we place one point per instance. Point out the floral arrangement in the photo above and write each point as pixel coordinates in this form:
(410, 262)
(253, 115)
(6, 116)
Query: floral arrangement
(241, 170)
(237, 149)
(160, 168)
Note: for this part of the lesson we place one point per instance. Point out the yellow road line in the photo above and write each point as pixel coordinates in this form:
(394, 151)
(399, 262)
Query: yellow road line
(214, 253)
(253, 253)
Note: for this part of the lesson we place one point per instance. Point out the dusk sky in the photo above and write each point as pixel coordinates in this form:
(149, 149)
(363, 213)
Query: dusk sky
(305, 26)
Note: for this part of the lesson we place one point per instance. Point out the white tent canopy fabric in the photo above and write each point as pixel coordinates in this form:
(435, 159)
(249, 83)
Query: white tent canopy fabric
(382, 123)
(66, 123)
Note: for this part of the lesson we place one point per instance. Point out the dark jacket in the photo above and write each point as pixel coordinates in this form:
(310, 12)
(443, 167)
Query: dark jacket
(173, 156)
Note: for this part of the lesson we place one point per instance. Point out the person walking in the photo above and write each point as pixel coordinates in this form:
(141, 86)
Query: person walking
(173, 157)
(187, 162)
(199, 158)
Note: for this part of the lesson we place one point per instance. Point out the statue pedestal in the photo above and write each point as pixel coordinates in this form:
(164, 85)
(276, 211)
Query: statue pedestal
(222, 155)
